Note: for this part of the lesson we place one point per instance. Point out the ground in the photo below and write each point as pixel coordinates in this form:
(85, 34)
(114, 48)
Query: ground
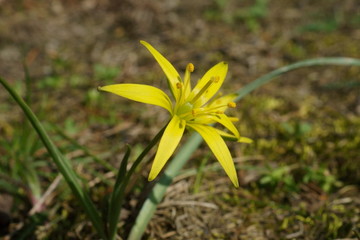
(299, 178)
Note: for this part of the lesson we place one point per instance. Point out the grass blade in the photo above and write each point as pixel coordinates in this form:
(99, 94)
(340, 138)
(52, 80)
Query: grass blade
(86, 150)
(61, 162)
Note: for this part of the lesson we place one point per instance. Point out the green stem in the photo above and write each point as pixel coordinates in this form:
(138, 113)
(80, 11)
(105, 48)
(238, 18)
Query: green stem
(62, 163)
(118, 196)
(158, 192)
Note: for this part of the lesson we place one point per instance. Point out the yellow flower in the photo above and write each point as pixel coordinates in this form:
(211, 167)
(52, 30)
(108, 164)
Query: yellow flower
(194, 109)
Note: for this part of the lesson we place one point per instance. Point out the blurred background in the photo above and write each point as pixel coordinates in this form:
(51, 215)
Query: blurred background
(299, 179)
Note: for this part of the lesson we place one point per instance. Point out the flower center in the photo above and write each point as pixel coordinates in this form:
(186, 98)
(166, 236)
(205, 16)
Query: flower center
(185, 108)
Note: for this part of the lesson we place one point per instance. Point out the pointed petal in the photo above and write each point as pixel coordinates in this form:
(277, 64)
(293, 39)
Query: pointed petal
(219, 149)
(226, 135)
(211, 119)
(245, 140)
(231, 137)
(218, 118)
(218, 71)
(205, 120)
(141, 93)
(226, 122)
(169, 141)
(169, 70)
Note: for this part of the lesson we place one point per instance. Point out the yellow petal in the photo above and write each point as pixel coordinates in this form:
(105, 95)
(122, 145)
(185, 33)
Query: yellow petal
(218, 118)
(226, 122)
(217, 72)
(169, 70)
(231, 137)
(167, 145)
(227, 136)
(141, 93)
(204, 119)
(219, 149)
(245, 140)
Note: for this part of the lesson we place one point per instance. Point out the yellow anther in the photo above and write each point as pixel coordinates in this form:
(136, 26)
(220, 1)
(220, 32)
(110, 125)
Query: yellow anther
(219, 112)
(231, 105)
(216, 79)
(179, 85)
(193, 112)
(190, 67)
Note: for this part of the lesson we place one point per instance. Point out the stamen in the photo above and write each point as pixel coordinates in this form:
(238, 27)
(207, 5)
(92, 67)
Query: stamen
(231, 105)
(190, 67)
(187, 84)
(179, 85)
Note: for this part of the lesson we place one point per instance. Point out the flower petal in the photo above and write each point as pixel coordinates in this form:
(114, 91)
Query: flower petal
(169, 70)
(245, 140)
(219, 72)
(218, 118)
(226, 135)
(226, 122)
(219, 149)
(140, 93)
(169, 141)
(231, 137)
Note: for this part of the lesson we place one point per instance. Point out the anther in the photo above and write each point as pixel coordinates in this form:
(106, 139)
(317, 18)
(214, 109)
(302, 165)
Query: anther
(231, 105)
(216, 79)
(193, 112)
(179, 85)
(190, 67)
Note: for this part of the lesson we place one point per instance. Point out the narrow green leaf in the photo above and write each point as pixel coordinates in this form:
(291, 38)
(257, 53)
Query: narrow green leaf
(118, 192)
(122, 170)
